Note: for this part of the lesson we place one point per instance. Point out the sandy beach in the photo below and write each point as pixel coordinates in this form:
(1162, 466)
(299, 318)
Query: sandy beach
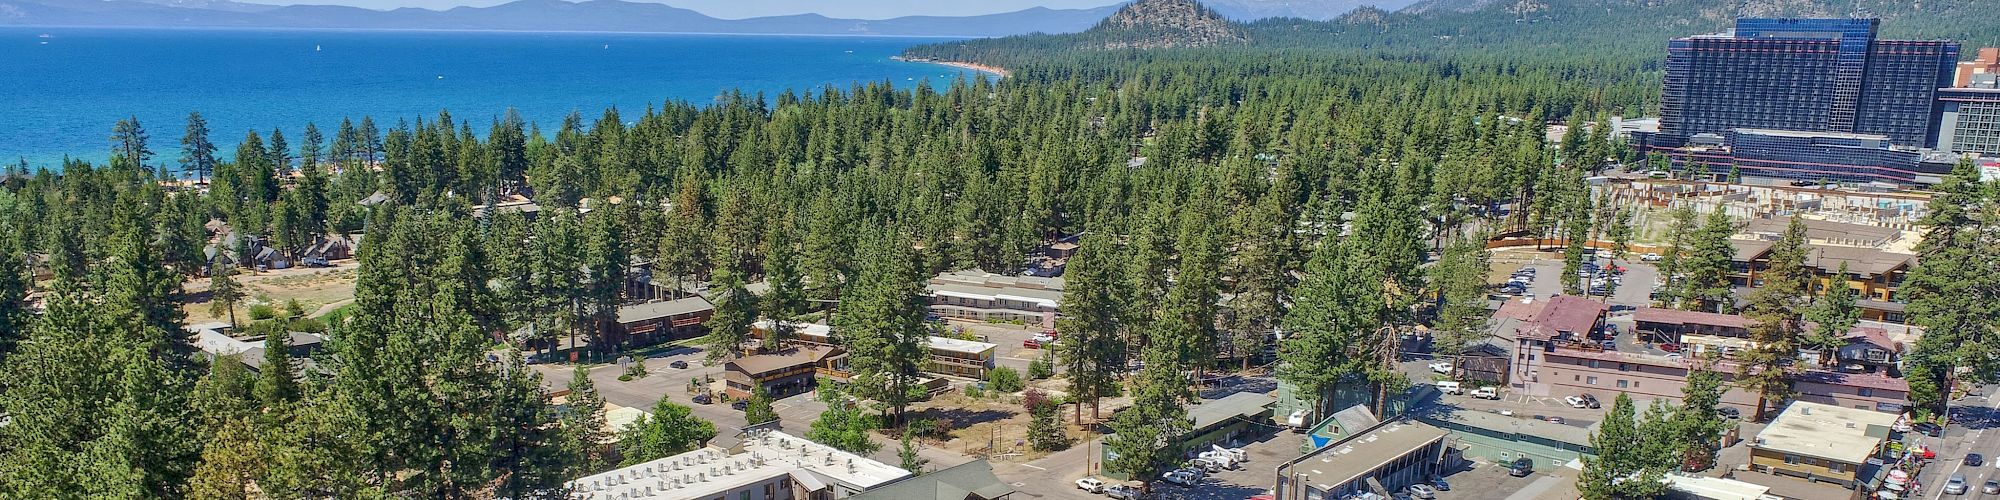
(994, 70)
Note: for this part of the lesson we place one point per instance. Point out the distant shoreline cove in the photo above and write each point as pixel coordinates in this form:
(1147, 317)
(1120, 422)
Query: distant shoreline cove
(994, 70)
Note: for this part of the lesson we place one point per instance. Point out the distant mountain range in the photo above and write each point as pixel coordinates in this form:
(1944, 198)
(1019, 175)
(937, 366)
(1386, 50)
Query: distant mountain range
(526, 15)
(1317, 10)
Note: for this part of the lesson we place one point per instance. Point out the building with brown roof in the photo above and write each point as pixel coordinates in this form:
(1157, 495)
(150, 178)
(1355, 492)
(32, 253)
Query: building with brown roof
(1876, 275)
(784, 373)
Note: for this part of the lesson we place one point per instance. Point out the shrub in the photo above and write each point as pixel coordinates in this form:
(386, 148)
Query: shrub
(262, 312)
(293, 309)
(625, 377)
(1004, 379)
(1040, 369)
(972, 391)
(309, 325)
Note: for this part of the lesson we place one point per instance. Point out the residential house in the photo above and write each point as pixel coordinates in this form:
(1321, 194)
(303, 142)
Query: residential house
(1869, 349)
(764, 465)
(1824, 443)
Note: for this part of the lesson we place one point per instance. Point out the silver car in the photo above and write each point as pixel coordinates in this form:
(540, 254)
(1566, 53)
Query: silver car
(1955, 485)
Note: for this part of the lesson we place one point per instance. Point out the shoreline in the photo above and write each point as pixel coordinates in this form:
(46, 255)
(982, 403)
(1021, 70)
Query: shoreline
(982, 68)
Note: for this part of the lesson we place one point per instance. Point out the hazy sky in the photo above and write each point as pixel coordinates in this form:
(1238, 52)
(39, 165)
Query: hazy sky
(863, 9)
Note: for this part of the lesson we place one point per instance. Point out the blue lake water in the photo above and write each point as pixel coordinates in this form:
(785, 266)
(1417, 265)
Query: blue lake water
(62, 97)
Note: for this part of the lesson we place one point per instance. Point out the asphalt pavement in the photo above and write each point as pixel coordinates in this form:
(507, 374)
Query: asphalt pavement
(1972, 417)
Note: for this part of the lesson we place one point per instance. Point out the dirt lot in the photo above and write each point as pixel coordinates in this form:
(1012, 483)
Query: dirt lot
(319, 289)
(999, 422)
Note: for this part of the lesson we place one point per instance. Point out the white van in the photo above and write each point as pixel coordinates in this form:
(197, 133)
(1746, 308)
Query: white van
(1450, 387)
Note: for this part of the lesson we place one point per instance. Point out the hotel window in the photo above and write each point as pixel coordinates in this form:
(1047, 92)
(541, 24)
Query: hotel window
(1865, 392)
(1621, 383)
(1792, 459)
(1591, 381)
(1835, 467)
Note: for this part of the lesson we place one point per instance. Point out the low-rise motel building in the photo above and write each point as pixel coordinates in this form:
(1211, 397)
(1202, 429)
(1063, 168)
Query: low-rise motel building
(1824, 443)
(949, 357)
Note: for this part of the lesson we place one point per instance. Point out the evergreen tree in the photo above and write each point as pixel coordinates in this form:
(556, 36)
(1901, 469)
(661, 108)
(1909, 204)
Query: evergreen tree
(1045, 429)
(844, 425)
(1696, 420)
(277, 379)
(14, 283)
(881, 320)
(672, 430)
(583, 433)
(1620, 469)
(786, 299)
(1707, 267)
(197, 153)
(911, 461)
(1832, 316)
(1459, 281)
(1777, 308)
(1093, 351)
(1680, 236)
(1952, 290)
(1142, 435)
(735, 310)
(759, 409)
(128, 142)
(224, 292)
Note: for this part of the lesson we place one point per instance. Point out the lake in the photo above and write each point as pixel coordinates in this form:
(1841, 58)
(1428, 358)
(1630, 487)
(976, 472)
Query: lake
(61, 93)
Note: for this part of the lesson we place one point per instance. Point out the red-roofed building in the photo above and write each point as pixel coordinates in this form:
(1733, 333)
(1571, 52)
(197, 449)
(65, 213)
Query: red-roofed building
(1564, 320)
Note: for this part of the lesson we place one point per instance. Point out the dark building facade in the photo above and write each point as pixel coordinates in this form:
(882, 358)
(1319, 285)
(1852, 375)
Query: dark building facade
(1814, 157)
(1815, 75)
(1969, 121)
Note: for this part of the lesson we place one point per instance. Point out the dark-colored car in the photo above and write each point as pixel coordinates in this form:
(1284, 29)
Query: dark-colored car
(1591, 401)
(1522, 467)
(1928, 429)
(678, 365)
(740, 404)
(702, 399)
(1440, 484)
(1728, 412)
(1973, 459)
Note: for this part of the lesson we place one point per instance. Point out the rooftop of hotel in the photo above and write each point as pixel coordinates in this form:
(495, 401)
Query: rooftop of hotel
(790, 357)
(1679, 317)
(1046, 292)
(1842, 434)
(1563, 313)
(712, 471)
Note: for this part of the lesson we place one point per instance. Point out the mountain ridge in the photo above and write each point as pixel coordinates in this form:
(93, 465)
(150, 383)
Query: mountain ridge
(526, 15)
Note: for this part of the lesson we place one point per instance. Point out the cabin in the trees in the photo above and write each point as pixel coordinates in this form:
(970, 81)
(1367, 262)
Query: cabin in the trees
(783, 373)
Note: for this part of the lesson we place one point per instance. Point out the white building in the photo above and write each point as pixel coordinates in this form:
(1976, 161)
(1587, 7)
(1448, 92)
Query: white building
(982, 296)
(767, 465)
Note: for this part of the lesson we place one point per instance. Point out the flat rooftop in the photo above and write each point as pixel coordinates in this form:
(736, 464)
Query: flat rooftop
(662, 309)
(1238, 405)
(1045, 292)
(1363, 452)
(1846, 435)
(713, 471)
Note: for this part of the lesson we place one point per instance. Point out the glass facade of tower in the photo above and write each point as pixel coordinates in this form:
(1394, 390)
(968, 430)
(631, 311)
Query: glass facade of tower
(1970, 121)
(1815, 75)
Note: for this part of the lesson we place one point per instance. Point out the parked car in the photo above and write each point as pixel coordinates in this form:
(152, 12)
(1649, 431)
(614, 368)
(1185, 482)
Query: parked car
(1522, 467)
(1122, 492)
(1591, 401)
(1670, 347)
(1729, 412)
(702, 399)
(1955, 485)
(1440, 484)
(1555, 419)
(678, 365)
(1090, 484)
(1180, 477)
(1650, 257)
(1575, 402)
(1441, 367)
(740, 404)
(1421, 490)
(1486, 393)
(1928, 429)
(1450, 387)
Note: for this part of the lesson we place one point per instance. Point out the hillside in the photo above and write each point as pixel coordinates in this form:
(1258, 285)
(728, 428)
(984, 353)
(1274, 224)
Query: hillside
(524, 15)
(1317, 10)
(1155, 24)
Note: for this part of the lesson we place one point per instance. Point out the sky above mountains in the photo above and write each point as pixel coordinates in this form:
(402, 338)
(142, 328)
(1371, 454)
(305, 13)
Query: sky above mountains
(737, 9)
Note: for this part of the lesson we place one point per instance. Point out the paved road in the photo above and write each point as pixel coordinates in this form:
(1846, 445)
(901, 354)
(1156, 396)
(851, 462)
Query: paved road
(1972, 418)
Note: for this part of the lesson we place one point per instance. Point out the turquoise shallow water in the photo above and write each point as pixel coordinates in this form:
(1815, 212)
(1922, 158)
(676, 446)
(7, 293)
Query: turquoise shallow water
(62, 97)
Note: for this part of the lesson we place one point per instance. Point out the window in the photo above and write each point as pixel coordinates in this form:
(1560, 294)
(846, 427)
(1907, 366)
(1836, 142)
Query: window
(1835, 467)
(1865, 392)
(744, 496)
(1591, 381)
(1577, 378)
(1792, 459)
(1621, 383)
